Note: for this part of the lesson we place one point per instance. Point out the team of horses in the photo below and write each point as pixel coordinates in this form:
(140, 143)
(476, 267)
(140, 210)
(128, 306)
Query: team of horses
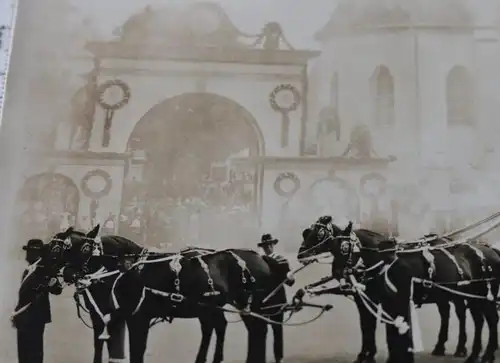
(123, 283)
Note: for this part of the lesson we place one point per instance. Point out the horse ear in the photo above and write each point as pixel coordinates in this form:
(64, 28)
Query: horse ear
(94, 232)
(348, 229)
(67, 232)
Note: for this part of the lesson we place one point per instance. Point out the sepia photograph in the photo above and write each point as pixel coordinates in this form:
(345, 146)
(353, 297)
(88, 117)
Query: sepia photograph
(249, 181)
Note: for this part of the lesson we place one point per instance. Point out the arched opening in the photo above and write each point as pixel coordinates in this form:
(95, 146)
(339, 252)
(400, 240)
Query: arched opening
(47, 203)
(459, 97)
(382, 90)
(182, 186)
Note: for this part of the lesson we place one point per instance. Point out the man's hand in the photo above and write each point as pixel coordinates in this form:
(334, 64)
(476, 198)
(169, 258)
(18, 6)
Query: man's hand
(13, 321)
(52, 281)
(290, 279)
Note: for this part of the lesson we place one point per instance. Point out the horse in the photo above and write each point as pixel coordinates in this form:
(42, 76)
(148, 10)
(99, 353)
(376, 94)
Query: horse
(83, 254)
(318, 240)
(424, 274)
(202, 286)
(63, 256)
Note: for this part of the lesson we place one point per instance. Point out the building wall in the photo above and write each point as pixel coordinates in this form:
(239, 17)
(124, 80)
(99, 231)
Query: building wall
(153, 82)
(430, 153)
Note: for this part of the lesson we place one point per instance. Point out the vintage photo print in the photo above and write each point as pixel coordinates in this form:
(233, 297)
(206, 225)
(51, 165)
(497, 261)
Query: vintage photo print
(250, 181)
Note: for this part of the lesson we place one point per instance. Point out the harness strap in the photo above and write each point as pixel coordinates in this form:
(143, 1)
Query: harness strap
(210, 281)
(454, 260)
(429, 257)
(486, 269)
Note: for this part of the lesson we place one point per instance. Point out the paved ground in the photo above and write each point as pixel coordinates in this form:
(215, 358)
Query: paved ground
(333, 338)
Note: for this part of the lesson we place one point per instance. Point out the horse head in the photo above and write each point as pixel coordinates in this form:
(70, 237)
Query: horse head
(72, 251)
(323, 237)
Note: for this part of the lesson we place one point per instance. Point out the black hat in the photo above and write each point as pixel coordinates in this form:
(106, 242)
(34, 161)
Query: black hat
(33, 244)
(388, 245)
(267, 239)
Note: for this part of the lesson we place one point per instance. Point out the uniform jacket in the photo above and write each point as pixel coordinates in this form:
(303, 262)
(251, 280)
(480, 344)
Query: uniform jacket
(34, 290)
(279, 267)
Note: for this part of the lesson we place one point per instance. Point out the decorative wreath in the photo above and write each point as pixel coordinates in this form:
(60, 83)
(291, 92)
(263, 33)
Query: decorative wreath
(368, 177)
(283, 108)
(94, 195)
(286, 176)
(110, 84)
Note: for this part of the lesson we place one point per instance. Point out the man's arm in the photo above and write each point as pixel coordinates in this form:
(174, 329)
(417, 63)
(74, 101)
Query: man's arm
(290, 279)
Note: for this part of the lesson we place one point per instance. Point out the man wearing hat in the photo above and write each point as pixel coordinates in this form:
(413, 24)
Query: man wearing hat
(33, 308)
(267, 244)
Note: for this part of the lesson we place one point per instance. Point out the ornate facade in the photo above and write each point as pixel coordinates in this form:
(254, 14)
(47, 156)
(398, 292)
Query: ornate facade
(423, 77)
(187, 130)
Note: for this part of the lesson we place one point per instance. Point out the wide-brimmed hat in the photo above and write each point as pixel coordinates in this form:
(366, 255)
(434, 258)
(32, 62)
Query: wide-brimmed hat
(33, 244)
(266, 240)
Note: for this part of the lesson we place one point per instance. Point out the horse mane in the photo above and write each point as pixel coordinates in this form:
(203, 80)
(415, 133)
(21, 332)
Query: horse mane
(78, 233)
(369, 238)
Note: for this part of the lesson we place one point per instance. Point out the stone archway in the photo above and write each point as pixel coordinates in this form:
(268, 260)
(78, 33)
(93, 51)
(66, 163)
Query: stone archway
(46, 203)
(181, 187)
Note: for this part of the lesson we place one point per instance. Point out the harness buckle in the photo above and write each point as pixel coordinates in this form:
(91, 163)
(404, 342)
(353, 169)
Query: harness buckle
(176, 298)
(427, 284)
(211, 293)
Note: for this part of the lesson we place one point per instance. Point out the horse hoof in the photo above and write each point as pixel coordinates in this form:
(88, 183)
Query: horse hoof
(472, 360)
(439, 352)
(460, 353)
(487, 359)
(364, 359)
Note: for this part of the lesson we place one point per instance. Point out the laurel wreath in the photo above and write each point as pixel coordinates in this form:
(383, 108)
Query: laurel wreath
(286, 176)
(109, 84)
(372, 176)
(91, 193)
(285, 87)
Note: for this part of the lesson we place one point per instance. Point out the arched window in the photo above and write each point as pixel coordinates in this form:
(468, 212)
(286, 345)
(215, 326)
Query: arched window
(382, 86)
(459, 97)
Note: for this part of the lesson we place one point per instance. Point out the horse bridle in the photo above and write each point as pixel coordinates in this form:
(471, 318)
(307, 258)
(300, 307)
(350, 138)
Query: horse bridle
(326, 234)
(90, 249)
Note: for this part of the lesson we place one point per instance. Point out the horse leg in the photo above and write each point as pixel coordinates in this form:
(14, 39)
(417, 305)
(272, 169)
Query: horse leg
(257, 336)
(444, 312)
(220, 324)
(261, 328)
(207, 328)
(251, 338)
(478, 318)
(368, 325)
(398, 346)
(491, 315)
(460, 311)
(98, 345)
(138, 328)
(116, 341)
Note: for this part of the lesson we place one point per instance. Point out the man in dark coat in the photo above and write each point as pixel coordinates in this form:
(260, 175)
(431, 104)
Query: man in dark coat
(33, 308)
(276, 262)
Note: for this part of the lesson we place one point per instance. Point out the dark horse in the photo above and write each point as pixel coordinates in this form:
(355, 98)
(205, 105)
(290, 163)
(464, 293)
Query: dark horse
(84, 254)
(201, 286)
(49, 267)
(324, 235)
(444, 271)
(61, 257)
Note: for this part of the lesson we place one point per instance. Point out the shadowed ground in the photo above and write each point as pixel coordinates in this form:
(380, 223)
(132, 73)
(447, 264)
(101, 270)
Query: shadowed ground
(334, 338)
